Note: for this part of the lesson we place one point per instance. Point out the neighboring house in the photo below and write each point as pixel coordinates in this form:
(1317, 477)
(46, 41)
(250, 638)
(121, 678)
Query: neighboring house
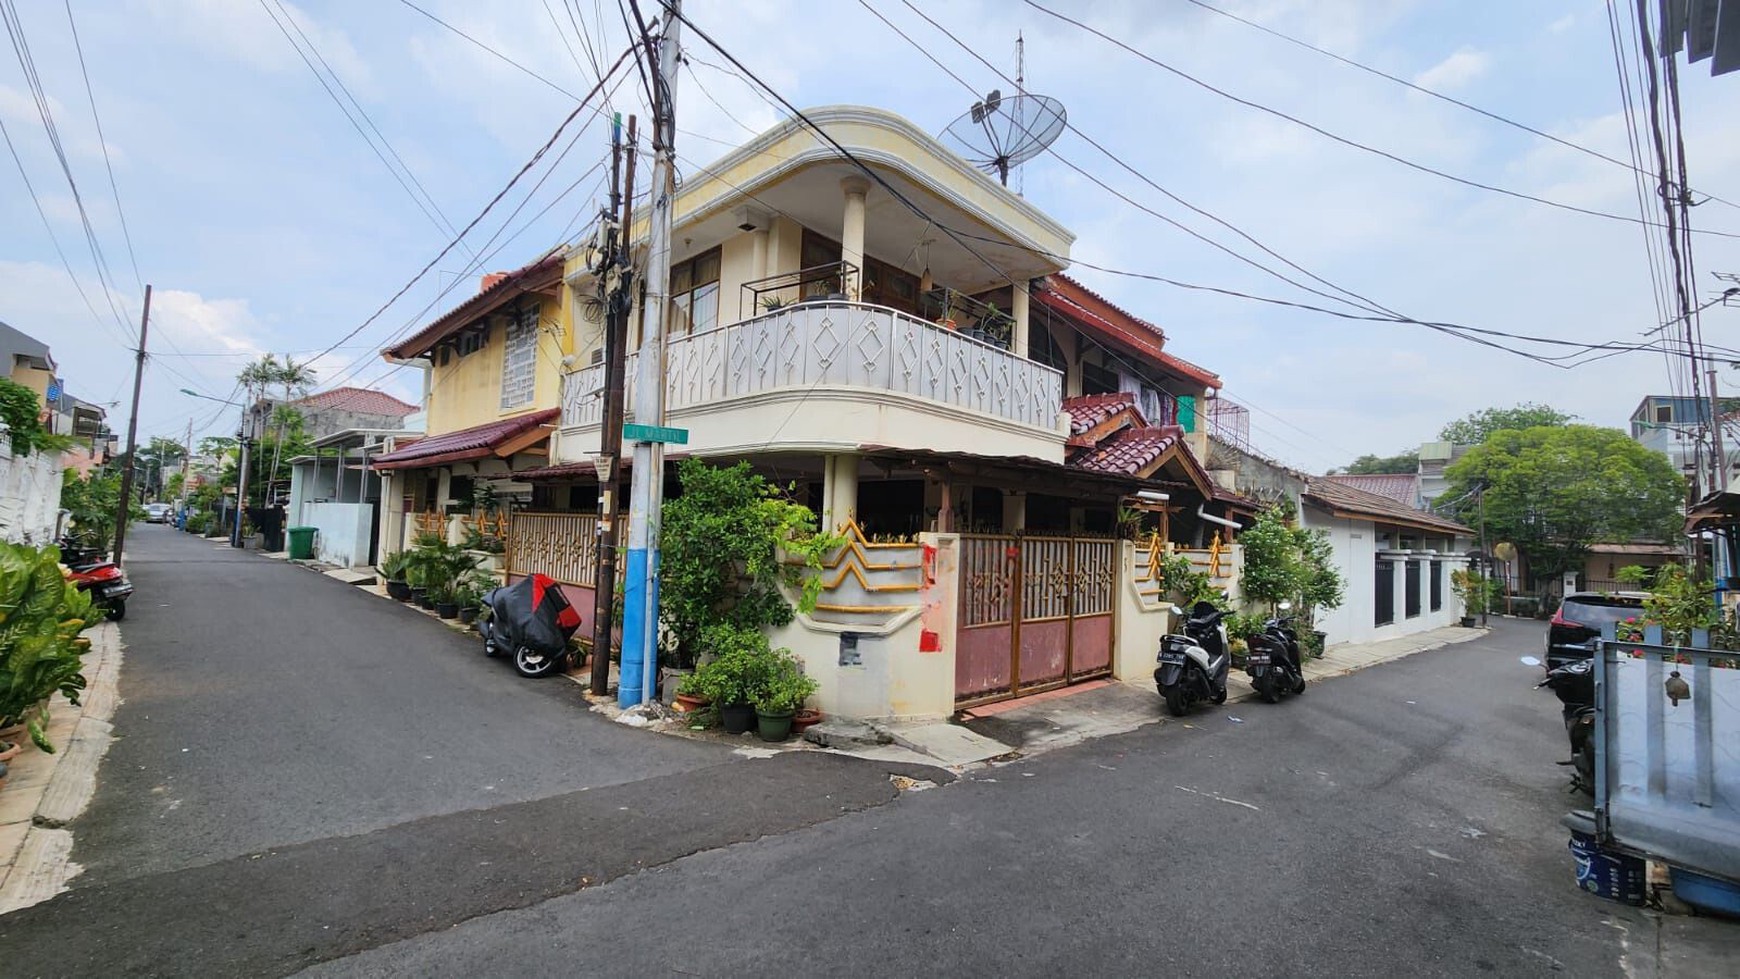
(83, 421)
(30, 484)
(1404, 488)
(1674, 425)
(342, 409)
(977, 422)
(493, 374)
(1396, 559)
(336, 491)
(1435, 458)
(1601, 569)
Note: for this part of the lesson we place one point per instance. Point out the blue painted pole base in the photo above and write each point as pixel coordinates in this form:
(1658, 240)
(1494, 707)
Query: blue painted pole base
(630, 680)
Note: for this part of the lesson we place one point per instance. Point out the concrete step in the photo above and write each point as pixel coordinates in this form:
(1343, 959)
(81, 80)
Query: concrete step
(845, 734)
(353, 576)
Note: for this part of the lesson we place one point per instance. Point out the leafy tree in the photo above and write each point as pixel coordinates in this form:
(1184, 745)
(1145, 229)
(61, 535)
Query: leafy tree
(1374, 465)
(93, 500)
(1284, 563)
(216, 445)
(1553, 491)
(161, 455)
(1477, 427)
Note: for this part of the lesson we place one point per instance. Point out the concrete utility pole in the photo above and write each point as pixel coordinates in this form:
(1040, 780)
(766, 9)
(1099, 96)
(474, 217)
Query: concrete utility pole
(616, 274)
(640, 619)
(247, 439)
(132, 431)
(1719, 462)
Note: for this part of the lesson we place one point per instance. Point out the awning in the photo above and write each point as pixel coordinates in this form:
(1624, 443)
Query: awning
(498, 438)
(1719, 509)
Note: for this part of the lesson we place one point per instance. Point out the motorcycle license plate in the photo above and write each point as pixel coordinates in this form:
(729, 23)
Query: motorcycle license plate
(1258, 659)
(1171, 658)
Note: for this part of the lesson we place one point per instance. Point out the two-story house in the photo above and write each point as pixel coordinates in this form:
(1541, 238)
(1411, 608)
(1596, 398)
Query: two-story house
(908, 353)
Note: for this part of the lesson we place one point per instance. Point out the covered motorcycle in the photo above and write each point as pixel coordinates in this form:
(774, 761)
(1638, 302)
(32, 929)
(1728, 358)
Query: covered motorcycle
(532, 621)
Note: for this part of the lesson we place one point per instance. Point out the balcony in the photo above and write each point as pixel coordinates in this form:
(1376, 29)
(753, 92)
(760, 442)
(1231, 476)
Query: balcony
(836, 375)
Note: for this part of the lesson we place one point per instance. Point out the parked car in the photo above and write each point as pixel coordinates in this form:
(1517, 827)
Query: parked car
(1580, 618)
(159, 513)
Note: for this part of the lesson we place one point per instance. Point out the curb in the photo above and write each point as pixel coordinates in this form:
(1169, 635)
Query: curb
(36, 865)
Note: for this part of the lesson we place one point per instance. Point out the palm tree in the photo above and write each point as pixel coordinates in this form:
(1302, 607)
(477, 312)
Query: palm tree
(295, 378)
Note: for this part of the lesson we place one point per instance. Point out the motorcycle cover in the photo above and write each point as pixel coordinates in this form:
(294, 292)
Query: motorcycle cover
(532, 612)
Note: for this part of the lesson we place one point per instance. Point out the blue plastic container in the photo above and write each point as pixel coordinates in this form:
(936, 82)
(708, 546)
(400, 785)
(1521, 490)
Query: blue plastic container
(1606, 873)
(1706, 893)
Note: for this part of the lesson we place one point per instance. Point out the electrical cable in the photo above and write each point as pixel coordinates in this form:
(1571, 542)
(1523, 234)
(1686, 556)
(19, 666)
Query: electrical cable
(1423, 90)
(1345, 141)
(102, 143)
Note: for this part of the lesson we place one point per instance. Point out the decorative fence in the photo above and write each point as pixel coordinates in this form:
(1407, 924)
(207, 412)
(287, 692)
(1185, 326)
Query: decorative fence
(869, 583)
(563, 546)
(1219, 561)
(812, 345)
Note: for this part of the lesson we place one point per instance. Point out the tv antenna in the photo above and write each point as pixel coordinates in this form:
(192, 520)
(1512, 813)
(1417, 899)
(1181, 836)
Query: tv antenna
(1007, 131)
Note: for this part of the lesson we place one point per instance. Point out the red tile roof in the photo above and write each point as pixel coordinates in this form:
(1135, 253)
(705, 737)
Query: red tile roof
(1402, 487)
(541, 274)
(476, 442)
(1340, 498)
(363, 400)
(1091, 409)
(1127, 452)
(1099, 317)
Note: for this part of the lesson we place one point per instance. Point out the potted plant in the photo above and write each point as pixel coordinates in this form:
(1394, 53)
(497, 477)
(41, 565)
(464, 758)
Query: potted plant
(784, 688)
(805, 718)
(1474, 590)
(445, 598)
(10, 749)
(690, 696)
(393, 568)
(40, 646)
(734, 675)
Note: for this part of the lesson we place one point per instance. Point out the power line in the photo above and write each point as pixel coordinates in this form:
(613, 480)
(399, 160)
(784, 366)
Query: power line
(1345, 141)
(486, 209)
(1423, 90)
(103, 144)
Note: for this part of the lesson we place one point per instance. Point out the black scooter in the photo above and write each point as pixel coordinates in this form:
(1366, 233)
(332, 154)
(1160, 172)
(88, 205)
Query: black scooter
(1193, 666)
(530, 620)
(1574, 685)
(1272, 659)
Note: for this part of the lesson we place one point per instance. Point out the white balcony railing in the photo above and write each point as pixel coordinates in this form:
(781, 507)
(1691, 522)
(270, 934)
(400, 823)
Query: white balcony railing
(812, 346)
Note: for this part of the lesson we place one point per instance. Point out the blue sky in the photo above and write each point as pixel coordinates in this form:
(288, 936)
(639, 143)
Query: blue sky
(267, 223)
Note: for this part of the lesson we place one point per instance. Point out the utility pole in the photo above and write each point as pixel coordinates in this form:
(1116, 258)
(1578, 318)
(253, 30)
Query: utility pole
(616, 273)
(1719, 462)
(640, 620)
(132, 431)
(186, 461)
(1485, 562)
(246, 434)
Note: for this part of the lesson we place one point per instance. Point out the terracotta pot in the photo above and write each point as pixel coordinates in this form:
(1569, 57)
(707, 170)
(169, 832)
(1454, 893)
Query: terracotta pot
(806, 717)
(688, 702)
(10, 749)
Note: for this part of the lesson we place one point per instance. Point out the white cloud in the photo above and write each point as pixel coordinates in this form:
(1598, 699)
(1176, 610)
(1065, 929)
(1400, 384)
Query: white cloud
(1563, 24)
(246, 32)
(1455, 71)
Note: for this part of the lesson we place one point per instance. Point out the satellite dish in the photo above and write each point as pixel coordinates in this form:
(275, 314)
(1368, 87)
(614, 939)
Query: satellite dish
(1504, 551)
(1003, 132)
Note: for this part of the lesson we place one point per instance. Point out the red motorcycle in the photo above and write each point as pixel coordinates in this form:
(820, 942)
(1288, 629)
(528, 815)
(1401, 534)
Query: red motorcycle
(91, 571)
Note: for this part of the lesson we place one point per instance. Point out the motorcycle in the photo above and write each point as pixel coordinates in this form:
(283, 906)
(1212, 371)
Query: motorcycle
(91, 571)
(1272, 659)
(530, 620)
(1194, 665)
(1574, 685)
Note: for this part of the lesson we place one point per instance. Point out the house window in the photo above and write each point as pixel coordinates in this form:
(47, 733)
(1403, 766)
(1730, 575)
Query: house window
(1437, 586)
(1664, 414)
(1411, 584)
(519, 358)
(1098, 380)
(1384, 593)
(694, 304)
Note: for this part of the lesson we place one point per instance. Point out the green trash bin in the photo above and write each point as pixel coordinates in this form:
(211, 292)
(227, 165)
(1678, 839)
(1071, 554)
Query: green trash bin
(302, 543)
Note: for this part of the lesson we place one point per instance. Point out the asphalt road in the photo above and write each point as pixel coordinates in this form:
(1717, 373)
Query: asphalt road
(1399, 821)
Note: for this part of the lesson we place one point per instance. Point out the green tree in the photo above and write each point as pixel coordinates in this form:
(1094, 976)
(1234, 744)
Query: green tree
(93, 501)
(1284, 563)
(1475, 428)
(160, 456)
(1374, 465)
(1553, 491)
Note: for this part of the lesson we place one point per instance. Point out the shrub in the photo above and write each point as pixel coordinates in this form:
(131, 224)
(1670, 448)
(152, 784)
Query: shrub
(785, 687)
(41, 616)
(739, 663)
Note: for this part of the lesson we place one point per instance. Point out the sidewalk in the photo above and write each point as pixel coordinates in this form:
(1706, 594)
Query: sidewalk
(1060, 718)
(44, 792)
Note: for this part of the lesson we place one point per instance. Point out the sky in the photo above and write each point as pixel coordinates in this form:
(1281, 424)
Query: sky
(266, 222)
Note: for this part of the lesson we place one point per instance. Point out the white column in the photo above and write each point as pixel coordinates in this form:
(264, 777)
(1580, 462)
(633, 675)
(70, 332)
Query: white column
(1014, 511)
(1018, 308)
(839, 489)
(852, 230)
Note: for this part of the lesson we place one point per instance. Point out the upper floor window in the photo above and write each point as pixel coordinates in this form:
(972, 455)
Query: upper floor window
(519, 358)
(694, 304)
(1664, 414)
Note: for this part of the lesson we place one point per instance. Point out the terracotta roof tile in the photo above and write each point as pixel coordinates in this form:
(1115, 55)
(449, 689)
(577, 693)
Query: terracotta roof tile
(1126, 452)
(363, 400)
(1404, 488)
(541, 273)
(1089, 410)
(467, 443)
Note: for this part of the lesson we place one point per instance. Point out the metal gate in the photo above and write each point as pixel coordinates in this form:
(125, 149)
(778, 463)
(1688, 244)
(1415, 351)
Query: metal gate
(1036, 613)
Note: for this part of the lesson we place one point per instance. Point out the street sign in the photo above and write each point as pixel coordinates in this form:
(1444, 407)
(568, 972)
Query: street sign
(655, 433)
(54, 388)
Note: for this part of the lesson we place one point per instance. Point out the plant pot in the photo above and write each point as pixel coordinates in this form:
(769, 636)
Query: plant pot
(804, 719)
(10, 750)
(774, 727)
(736, 718)
(10, 729)
(425, 601)
(688, 703)
(416, 596)
(1468, 622)
(468, 615)
(447, 610)
(398, 591)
